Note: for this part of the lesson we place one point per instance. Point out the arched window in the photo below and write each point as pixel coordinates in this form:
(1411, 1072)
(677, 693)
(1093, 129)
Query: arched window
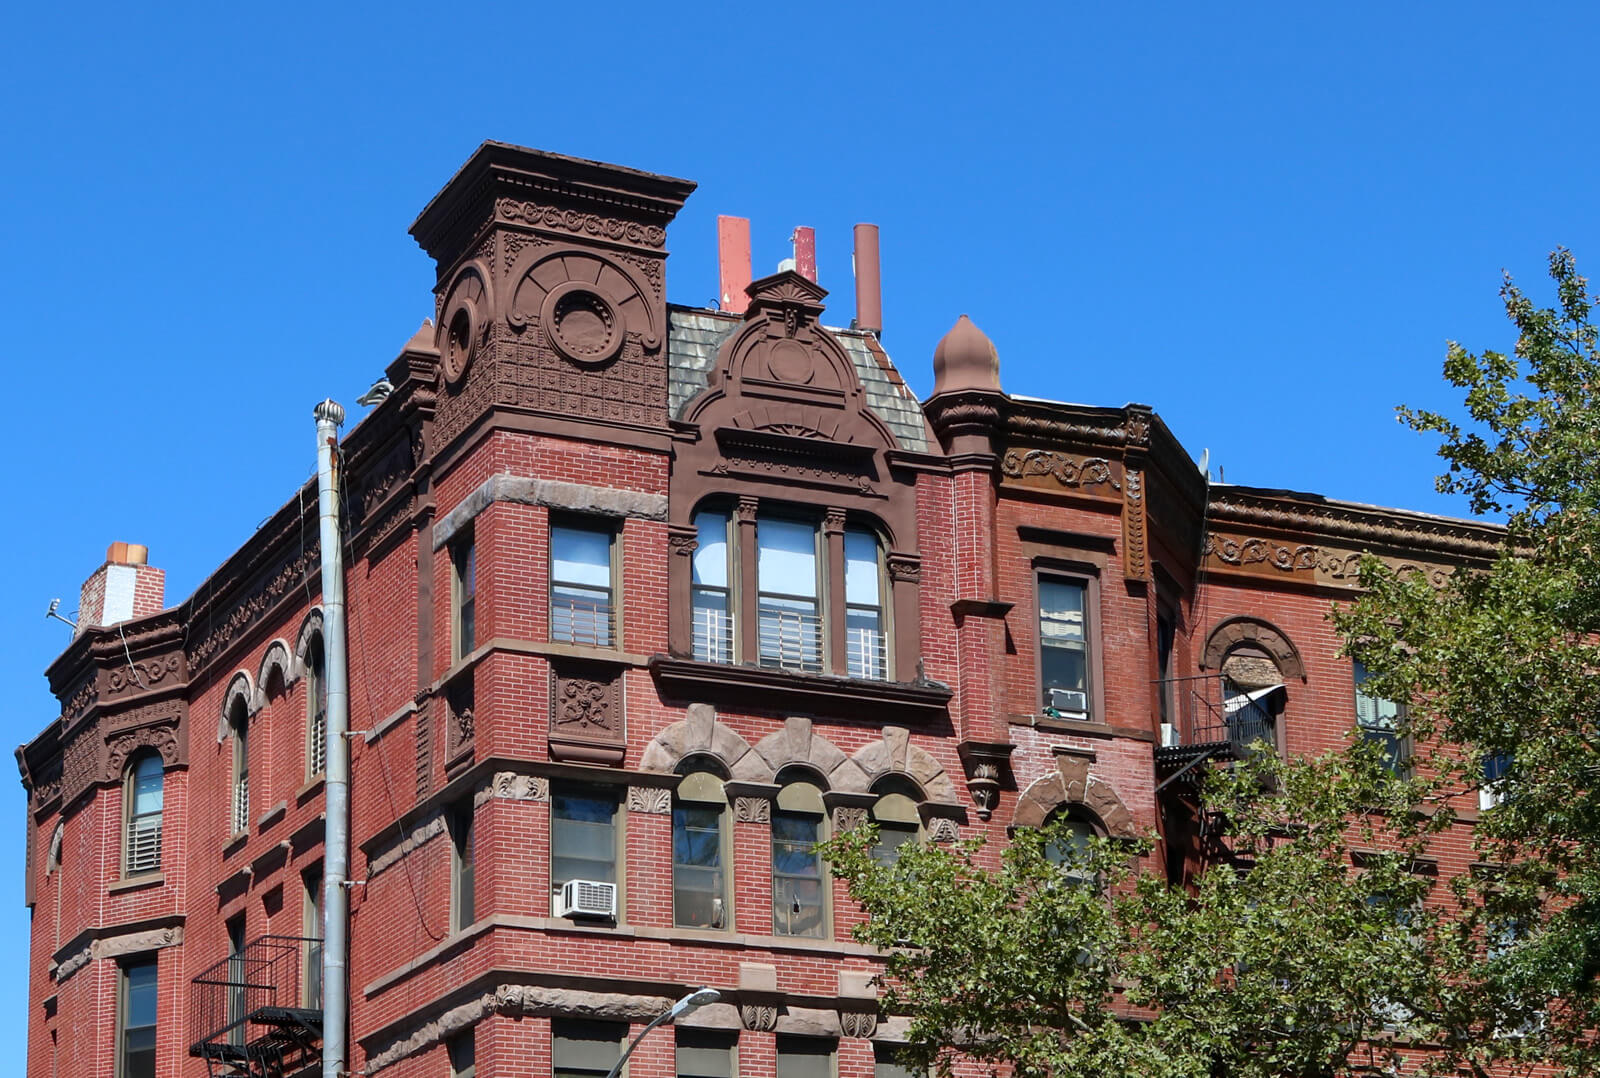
(700, 852)
(316, 710)
(799, 890)
(898, 823)
(239, 809)
(1070, 849)
(142, 793)
(1253, 696)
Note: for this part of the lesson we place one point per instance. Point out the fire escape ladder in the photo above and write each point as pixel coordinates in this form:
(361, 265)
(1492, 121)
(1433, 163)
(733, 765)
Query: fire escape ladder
(261, 1018)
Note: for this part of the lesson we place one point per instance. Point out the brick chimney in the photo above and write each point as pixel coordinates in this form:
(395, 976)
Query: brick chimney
(125, 587)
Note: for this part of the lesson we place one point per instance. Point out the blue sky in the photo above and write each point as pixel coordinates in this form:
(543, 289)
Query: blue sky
(1265, 223)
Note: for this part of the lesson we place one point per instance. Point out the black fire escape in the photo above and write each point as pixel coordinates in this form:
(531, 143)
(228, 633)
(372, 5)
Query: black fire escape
(1204, 718)
(260, 1010)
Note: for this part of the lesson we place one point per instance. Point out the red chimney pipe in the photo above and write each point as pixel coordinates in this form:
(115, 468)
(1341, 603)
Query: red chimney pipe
(869, 281)
(805, 252)
(733, 262)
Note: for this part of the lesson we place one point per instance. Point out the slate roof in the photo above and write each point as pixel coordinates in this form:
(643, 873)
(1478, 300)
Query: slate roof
(694, 335)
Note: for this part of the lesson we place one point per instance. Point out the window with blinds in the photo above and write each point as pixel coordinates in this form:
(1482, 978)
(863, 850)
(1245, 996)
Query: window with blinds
(703, 1054)
(581, 1049)
(805, 1057)
(142, 844)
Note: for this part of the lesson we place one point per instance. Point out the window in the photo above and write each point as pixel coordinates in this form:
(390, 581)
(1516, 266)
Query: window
(463, 1052)
(1379, 722)
(1070, 851)
(898, 823)
(583, 838)
(141, 851)
(886, 1063)
(463, 868)
(1496, 768)
(866, 653)
(805, 1057)
(712, 599)
(798, 891)
(1250, 711)
(705, 1054)
(237, 980)
(464, 598)
(581, 606)
(316, 710)
(311, 930)
(699, 852)
(790, 634)
(789, 596)
(582, 1049)
(240, 809)
(136, 1020)
(1064, 646)
(1165, 633)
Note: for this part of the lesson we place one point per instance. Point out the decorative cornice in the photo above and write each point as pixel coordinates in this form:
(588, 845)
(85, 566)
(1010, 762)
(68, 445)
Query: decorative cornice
(1311, 517)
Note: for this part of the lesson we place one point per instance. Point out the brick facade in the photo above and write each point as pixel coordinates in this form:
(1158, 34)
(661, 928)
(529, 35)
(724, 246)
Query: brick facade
(558, 387)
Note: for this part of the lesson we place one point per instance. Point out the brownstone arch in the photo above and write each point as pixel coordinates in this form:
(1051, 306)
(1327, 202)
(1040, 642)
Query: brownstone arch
(1072, 787)
(1244, 631)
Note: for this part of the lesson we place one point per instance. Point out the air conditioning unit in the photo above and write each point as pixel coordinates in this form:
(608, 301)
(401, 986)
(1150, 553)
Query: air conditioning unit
(1070, 701)
(587, 898)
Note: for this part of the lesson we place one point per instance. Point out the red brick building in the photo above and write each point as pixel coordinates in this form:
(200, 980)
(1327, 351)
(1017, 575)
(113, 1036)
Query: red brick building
(643, 601)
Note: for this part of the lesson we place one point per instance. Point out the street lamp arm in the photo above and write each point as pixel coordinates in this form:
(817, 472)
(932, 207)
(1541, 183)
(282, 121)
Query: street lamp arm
(693, 1001)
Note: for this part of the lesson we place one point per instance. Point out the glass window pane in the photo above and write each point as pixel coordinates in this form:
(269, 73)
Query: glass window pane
(147, 786)
(860, 567)
(580, 556)
(141, 999)
(1063, 668)
(787, 559)
(583, 838)
(804, 1057)
(1060, 610)
(711, 549)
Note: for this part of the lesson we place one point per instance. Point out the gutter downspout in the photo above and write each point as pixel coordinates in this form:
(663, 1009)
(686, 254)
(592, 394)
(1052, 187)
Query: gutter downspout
(336, 869)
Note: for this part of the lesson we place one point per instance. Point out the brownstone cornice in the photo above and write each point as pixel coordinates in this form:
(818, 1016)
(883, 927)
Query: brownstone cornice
(1310, 516)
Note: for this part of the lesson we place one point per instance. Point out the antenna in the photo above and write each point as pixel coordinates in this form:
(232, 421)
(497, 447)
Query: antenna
(51, 613)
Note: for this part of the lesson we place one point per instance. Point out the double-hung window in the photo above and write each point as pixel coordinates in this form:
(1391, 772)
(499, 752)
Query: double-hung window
(316, 711)
(790, 611)
(1496, 768)
(699, 853)
(866, 646)
(583, 836)
(1379, 722)
(464, 591)
(582, 1049)
(239, 810)
(705, 1054)
(898, 823)
(712, 597)
(1064, 645)
(798, 883)
(582, 589)
(463, 867)
(136, 1020)
(805, 1057)
(142, 842)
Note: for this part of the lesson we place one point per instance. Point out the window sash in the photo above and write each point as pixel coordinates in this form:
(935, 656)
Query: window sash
(583, 838)
(1064, 638)
(581, 1049)
(804, 1057)
(699, 892)
(704, 1055)
(582, 585)
(798, 894)
(136, 1015)
(466, 598)
(463, 864)
(241, 777)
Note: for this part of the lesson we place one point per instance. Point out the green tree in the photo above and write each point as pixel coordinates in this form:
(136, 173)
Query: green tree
(1294, 960)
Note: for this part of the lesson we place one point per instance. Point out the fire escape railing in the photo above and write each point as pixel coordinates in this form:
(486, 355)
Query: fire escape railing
(257, 1011)
(1203, 719)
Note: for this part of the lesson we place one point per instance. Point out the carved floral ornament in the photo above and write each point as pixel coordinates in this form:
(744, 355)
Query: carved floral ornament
(1067, 470)
(145, 674)
(1326, 565)
(163, 739)
(583, 704)
(580, 223)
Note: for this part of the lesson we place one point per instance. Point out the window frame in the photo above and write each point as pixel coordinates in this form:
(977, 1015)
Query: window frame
(710, 1040)
(125, 969)
(618, 835)
(794, 792)
(786, 1044)
(613, 533)
(239, 793)
(1397, 765)
(131, 817)
(570, 1029)
(831, 529)
(316, 707)
(463, 828)
(463, 595)
(888, 801)
(1088, 577)
(696, 789)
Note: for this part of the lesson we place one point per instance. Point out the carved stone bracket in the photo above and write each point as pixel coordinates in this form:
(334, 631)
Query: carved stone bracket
(511, 786)
(858, 1023)
(759, 1017)
(904, 567)
(1135, 526)
(988, 766)
(752, 810)
(651, 800)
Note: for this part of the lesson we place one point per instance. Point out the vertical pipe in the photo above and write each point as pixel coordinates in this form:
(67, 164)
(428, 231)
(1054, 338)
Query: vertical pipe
(869, 281)
(336, 868)
(733, 263)
(805, 252)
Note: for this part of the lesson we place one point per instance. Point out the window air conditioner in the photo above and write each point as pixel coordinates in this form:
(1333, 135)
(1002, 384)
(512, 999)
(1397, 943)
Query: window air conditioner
(587, 898)
(1070, 701)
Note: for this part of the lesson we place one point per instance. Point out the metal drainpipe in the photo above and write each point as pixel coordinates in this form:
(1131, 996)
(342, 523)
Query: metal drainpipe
(336, 867)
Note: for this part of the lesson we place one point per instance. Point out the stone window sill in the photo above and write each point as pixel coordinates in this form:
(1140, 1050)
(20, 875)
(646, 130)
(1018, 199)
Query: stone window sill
(137, 883)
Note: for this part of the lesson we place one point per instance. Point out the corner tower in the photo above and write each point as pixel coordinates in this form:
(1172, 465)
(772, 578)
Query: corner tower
(550, 295)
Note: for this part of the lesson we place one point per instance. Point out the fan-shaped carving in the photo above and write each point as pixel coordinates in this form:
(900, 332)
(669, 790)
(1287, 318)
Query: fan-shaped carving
(463, 320)
(585, 303)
